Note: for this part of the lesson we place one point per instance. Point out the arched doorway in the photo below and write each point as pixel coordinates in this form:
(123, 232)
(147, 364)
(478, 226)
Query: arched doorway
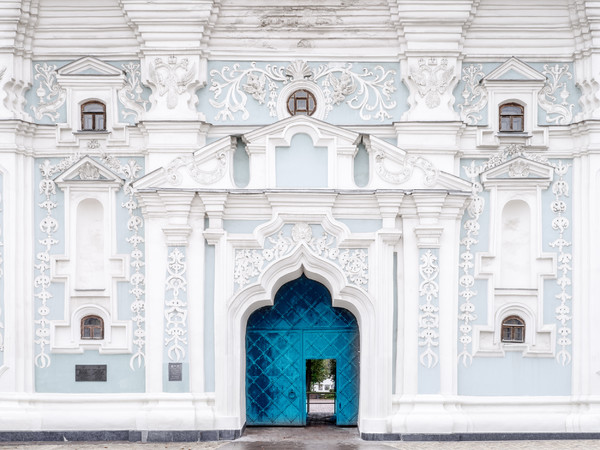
(301, 325)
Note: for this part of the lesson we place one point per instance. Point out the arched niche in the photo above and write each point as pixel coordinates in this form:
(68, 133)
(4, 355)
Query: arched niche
(515, 245)
(90, 235)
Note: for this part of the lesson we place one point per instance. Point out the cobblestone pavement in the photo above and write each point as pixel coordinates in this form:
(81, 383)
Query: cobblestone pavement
(311, 438)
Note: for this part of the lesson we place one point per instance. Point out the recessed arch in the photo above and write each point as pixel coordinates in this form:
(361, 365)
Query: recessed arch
(231, 385)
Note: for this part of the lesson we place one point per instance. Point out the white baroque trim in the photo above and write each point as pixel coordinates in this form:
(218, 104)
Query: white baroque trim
(250, 263)
(467, 279)
(130, 95)
(42, 280)
(368, 92)
(135, 240)
(559, 113)
(429, 270)
(51, 95)
(176, 307)
(474, 94)
(193, 166)
(405, 169)
(560, 223)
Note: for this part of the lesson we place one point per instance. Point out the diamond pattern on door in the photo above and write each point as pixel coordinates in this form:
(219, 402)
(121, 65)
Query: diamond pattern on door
(301, 325)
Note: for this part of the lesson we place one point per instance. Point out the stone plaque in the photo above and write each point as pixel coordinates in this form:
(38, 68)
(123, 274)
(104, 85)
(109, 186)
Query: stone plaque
(90, 372)
(175, 372)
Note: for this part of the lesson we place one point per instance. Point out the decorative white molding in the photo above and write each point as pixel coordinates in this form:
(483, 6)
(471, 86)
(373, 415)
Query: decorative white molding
(42, 280)
(175, 307)
(130, 95)
(560, 223)
(135, 240)
(51, 95)
(474, 94)
(559, 113)
(370, 90)
(467, 279)
(429, 270)
(172, 78)
(404, 169)
(250, 263)
(193, 166)
(432, 79)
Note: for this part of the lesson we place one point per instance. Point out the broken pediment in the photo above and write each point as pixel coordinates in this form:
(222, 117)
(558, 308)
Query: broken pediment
(286, 151)
(514, 70)
(88, 170)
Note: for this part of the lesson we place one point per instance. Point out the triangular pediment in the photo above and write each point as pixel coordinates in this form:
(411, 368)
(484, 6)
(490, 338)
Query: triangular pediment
(515, 70)
(517, 171)
(88, 170)
(89, 66)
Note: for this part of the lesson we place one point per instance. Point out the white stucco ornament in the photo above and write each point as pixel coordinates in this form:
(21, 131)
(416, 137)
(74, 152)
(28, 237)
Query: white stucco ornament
(432, 79)
(250, 263)
(51, 96)
(368, 91)
(172, 78)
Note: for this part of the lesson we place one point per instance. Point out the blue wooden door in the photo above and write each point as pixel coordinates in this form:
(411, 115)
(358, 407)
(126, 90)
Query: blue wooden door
(301, 325)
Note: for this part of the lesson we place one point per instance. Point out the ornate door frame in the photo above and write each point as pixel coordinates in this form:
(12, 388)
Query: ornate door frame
(230, 398)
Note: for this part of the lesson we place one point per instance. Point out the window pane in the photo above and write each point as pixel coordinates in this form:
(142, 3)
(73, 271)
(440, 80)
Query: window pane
(506, 334)
(93, 107)
(92, 321)
(99, 122)
(97, 333)
(301, 104)
(86, 332)
(88, 121)
(518, 334)
(505, 124)
(511, 110)
(517, 124)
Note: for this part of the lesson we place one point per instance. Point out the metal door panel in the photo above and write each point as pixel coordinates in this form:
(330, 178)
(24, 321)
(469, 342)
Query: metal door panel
(275, 389)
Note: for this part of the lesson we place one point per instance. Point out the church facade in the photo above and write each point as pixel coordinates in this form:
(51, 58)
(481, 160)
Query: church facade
(198, 197)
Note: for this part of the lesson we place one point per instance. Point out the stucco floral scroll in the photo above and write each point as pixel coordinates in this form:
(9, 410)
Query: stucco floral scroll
(131, 94)
(51, 96)
(560, 223)
(250, 263)
(558, 112)
(429, 270)
(42, 280)
(176, 306)
(135, 222)
(474, 94)
(367, 91)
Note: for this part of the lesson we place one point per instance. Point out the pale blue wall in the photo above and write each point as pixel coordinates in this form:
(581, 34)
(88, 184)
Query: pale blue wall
(301, 165)
(514, 374)
(361, 166)
(209, 318)
(57, 376)
(241, 165)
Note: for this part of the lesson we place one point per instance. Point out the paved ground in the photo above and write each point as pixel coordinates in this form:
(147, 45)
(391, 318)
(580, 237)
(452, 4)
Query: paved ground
(318, 437)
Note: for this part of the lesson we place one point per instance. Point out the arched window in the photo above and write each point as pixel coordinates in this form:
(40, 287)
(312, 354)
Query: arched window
(511, 117)
(93, 116)
(513, 329)
(92, 327)
(302, 102)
